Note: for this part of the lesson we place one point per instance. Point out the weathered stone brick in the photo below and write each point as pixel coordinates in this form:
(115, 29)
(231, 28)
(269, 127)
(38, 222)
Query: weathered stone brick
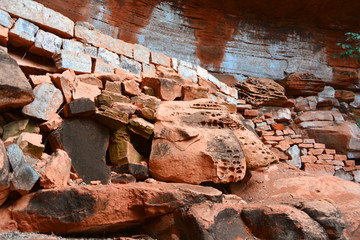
(23, 33)
(130, 65)
(79, 62)
(141, 54)
(46, 44)
(160, 59)
(35, 12)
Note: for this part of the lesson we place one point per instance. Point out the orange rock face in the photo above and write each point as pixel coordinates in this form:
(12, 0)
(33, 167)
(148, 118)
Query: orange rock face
(201, 141)
(96, 209)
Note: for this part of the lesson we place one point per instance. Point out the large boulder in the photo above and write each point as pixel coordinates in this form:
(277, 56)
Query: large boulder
(201, 141)
(86, 143)
(285, 184)
(99, 209)
(15, 90)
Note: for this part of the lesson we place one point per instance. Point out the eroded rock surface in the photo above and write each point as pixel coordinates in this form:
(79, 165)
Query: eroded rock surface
(98, 209)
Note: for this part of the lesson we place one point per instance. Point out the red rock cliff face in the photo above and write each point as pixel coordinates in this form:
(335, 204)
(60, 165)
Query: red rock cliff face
(251, 37)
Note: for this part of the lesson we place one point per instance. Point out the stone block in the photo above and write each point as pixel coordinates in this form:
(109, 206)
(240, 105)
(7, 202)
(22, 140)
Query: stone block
(308, 159)
(5, 19)
(46, 44)
(122, 178)
(191, 92)
(319, 169)
(15, 128)
(319, 146)
(188, 73)
(344, 175)
(73, 46)
(111, 118)
(160, 59)
(89, 79)
(82, 107)
(47, 101)
(325, 157)
(316, 152)
(130, 65)
(65, 82)
(35, 12)
(15, 156)
(349, 163)
(86, 33)
(277, 126)
(24, 178)
(23, 33)
(175, 63)
(4, 174)
(165, 89)
(91, 51)
(141, 54)
(251, 113)
(141, 127)
(79, 62)
(148, 70)
(103, 67)
(201, 72)
(309, 141)
(84, 90)
(306, 145)
(109, 57)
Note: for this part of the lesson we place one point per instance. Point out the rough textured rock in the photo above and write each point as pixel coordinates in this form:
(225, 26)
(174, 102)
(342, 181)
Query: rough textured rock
(84, 90)
(281, 222)
(4, 174)
(15, 90)
(98, 209)
(284, 184)
(261, 91)
(56, 172)
(64, 82)
(47, 101)
(300, 84)
(202, 221)
(53, 123)
(139, 171)
(86, 142)
(15, 156)
(141, 127)
(45, 17)
(199, 141)
(111, 117)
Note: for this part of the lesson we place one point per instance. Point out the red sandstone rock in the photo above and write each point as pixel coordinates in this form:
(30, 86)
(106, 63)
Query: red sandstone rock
(104, 208)
(4, 35)
(165, 89)
(53, 123)
(191, 92)
(65, 83)
(86, 142)
(131, 88)
(261, 91)
(251, 113)
(31, 144)
(277, 221)
(300, 84)
(160, 59)
(345, 96)
(56, 172)
(273, 186)
(308, 159)
(84, 90)
(15, 90)
(319, 169)
(277, 126)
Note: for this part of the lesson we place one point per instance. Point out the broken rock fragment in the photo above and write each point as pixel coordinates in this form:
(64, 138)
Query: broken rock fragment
(4, 174)
(24, 178)
(47, 101)
(15, 90)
